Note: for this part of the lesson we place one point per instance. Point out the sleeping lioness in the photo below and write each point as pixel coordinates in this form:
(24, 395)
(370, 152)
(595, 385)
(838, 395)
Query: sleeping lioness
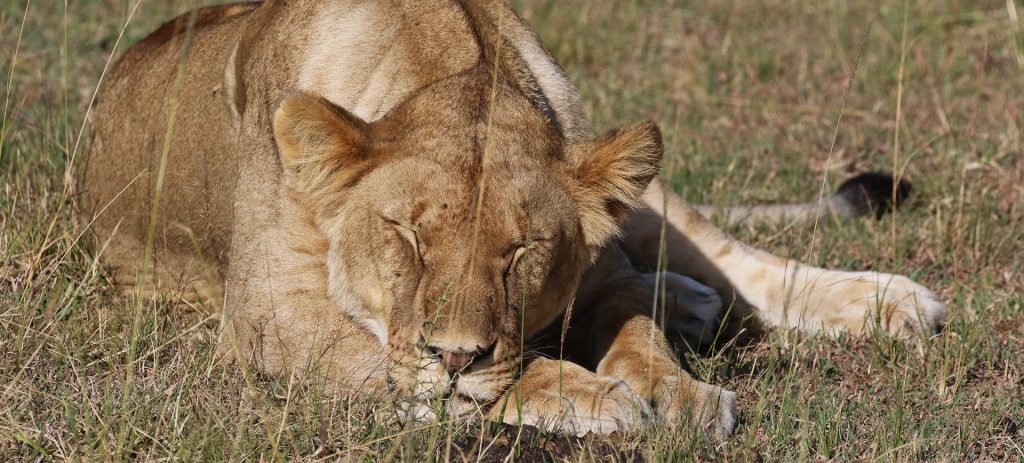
(407, 194)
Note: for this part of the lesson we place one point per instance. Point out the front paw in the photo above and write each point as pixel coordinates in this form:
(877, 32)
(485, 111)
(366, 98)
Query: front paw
(564, 397)
(684, 401)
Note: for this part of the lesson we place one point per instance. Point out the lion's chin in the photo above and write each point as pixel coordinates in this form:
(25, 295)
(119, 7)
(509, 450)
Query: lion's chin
(470, 397)
(454, 407)
(429, 393)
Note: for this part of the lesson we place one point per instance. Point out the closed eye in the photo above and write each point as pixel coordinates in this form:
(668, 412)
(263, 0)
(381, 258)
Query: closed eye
(517, 255)
(527, 250)
(410, 235)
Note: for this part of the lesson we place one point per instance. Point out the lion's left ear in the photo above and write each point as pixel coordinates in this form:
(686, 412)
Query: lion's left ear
(612, 172)
(322, 146)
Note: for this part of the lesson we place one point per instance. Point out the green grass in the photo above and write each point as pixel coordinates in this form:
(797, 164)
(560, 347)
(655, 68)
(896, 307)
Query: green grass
(748, 95)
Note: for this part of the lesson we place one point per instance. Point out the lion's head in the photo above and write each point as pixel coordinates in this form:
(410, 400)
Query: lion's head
(460, 223)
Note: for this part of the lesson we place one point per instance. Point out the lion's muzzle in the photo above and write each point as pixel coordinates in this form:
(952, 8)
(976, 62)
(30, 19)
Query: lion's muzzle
(456, 360)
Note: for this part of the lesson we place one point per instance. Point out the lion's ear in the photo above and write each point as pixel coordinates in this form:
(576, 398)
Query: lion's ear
(321, 145)
(612, 172)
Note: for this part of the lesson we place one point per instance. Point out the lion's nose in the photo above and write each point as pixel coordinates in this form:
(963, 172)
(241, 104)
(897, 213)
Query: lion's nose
(456, 360)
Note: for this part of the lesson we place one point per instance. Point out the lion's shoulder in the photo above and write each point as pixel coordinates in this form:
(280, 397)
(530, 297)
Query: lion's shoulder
(197, 20)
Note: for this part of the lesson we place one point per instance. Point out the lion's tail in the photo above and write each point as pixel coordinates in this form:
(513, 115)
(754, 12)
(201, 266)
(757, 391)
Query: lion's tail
(868, 193)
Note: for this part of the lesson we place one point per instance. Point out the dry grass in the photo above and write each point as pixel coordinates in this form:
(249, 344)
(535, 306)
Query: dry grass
(748, 95)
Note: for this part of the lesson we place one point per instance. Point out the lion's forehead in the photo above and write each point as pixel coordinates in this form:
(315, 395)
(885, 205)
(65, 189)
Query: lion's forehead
(503, 223)
(421, 188)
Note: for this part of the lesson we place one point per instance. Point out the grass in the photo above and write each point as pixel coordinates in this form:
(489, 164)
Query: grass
(748, 95)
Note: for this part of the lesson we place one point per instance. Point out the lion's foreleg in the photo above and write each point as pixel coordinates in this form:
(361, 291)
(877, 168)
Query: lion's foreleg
(625, 342)
(559, 395)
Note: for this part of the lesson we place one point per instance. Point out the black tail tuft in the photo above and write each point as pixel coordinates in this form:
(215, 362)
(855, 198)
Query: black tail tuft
(872, 193)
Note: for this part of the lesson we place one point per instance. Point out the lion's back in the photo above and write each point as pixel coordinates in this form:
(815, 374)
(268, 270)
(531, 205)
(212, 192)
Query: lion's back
(152, 91)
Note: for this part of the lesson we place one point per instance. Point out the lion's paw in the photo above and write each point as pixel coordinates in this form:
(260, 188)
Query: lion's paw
(691, 309)
(578, 403)
(910, 308)
(698, 404)
(834, 302)
(896, 303)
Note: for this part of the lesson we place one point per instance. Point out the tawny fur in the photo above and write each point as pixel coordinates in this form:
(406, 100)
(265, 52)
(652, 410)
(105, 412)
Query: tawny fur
(370, 190)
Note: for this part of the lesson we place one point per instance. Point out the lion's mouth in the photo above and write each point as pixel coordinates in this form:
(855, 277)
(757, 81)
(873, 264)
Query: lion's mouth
(481, 362)
(427, 388)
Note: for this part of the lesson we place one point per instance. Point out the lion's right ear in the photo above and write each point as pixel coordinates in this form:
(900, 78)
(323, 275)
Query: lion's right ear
(322, 146)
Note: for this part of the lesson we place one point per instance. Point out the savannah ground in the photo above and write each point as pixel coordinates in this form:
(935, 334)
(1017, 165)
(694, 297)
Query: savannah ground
(757, 105)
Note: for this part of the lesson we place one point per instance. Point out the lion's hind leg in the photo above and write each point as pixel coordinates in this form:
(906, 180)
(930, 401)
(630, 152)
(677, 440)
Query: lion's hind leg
(687, 308)
(183, 278)
(779, 292)
(833, 301)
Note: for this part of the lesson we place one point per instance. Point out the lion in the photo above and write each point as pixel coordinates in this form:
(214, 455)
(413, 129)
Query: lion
(407, 196)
